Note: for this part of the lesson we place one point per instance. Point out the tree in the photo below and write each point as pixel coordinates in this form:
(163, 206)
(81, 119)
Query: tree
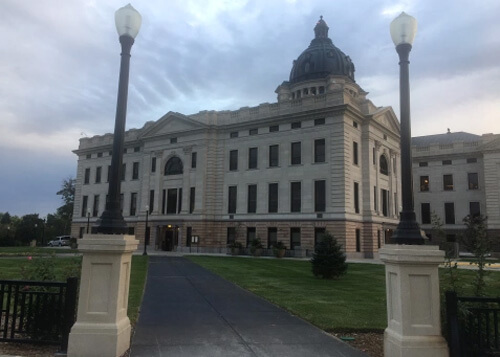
(476, 240)
(65, 212)
(28, 229)
(328, 260)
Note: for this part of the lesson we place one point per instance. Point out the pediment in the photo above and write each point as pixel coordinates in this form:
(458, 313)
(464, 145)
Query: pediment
(386, 117)
(170, 124)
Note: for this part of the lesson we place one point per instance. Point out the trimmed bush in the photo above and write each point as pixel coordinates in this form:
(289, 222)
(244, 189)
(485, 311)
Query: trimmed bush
(328, 260)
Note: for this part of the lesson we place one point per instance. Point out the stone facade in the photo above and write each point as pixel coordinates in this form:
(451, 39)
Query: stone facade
(463, 174)
(322, 157)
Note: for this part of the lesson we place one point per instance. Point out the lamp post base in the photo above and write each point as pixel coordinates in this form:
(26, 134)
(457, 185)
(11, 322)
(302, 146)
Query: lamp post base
(408, 231)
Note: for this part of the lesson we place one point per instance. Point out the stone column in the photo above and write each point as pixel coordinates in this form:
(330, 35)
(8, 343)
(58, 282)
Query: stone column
(413, 308)
(103, 327)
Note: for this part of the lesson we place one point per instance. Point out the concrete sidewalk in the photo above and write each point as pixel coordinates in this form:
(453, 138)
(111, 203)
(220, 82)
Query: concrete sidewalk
(188, 311)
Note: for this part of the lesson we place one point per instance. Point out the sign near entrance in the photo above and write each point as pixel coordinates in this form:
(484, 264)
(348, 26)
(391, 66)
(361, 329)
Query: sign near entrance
(195, 239)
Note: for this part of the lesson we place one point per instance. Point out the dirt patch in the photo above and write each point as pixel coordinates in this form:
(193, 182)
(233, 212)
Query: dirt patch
(371, 343)
(25, 349)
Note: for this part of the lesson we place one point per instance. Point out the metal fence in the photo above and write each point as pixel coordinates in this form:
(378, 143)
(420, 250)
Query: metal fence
(473, 325)
(37, 311)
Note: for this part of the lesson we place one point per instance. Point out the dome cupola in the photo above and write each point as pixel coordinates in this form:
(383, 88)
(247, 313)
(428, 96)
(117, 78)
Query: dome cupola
(321, 59)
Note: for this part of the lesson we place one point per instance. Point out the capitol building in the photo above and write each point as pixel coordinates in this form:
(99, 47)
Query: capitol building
(323, 157)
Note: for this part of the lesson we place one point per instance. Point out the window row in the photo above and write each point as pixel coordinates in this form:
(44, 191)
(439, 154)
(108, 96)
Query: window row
(173, 166)
(98, 173)
(275, 128)
(448, 185)
(273, 197)
(171, 203)
(294, 239)
(110, 153)
(469, 160)
(449, 212)
(274, 155)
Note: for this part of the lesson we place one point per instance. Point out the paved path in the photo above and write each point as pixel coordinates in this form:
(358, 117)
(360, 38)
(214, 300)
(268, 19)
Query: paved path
(189, 311)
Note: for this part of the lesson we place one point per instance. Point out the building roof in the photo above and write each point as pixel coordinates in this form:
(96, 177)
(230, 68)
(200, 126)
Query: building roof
(443, 139)
(321, 58)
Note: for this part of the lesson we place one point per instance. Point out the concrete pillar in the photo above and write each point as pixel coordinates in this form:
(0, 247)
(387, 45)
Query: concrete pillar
(103, 327)
(413, 302)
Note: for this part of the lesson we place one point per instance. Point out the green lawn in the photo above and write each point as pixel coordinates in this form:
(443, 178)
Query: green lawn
(356, 302)
(11, 269)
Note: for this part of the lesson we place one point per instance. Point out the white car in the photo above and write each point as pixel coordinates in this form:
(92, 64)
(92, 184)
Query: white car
(59, 241)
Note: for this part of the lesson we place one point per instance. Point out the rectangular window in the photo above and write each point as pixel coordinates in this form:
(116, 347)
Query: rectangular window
(295, 196)
(473, 181)
(121, 202)
(448, 182)
(358, 240)
(193, 160)
(319, 195)
(171, 201)
(375, 203)
(272, 236)
(252, 158)
(135, 171)
(424, 183)
(296, 125)
(98, 174)
(163, 201)
(89, 156)
(296, 153)
(173, 140)
(355, 153)
(137, 149)
(425, 210)
(189, 234)
(192, 196)
(109, 173)
(252, 199)
(231, 204)
(273, 198)
(85, 200)
(319, 150)
(294, 237)
(86, 180)
(274, 128)
(231, 235)
(356, 197)
(374, 156)
(250, 235)
(354, 124)
(133, 203)
(153, 164)
(319, 233)
(273, 156)
(471, 160)
(233, 160)
(233, 134)
(124, 171)
(254, 131)
(320, 121)
(99, 154)
(447, 162)
(179, 201)
(423, 164)
(385, 202)
(95, 208)
(449, 213)
(151, 200)
(474, 209)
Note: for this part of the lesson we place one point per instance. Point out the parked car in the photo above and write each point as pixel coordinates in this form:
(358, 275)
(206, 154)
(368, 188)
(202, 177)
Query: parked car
(60, 241)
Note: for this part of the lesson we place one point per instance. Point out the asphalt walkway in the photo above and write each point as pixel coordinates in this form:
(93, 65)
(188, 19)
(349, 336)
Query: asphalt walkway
(189, 311)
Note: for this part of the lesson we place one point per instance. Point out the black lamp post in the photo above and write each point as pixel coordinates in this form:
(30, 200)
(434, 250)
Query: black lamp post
(128, 22)
(146, 233)
(403, 30)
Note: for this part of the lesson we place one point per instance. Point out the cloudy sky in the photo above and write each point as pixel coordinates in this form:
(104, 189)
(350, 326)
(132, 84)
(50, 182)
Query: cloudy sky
(59, 68)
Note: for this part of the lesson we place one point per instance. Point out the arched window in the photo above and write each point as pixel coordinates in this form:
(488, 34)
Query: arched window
(173, 166)
(384, 168)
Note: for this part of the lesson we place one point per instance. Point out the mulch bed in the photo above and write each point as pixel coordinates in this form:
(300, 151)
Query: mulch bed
(371, 343)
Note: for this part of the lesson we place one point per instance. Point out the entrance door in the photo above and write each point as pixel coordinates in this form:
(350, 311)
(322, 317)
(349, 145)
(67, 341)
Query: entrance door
(169, 240)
